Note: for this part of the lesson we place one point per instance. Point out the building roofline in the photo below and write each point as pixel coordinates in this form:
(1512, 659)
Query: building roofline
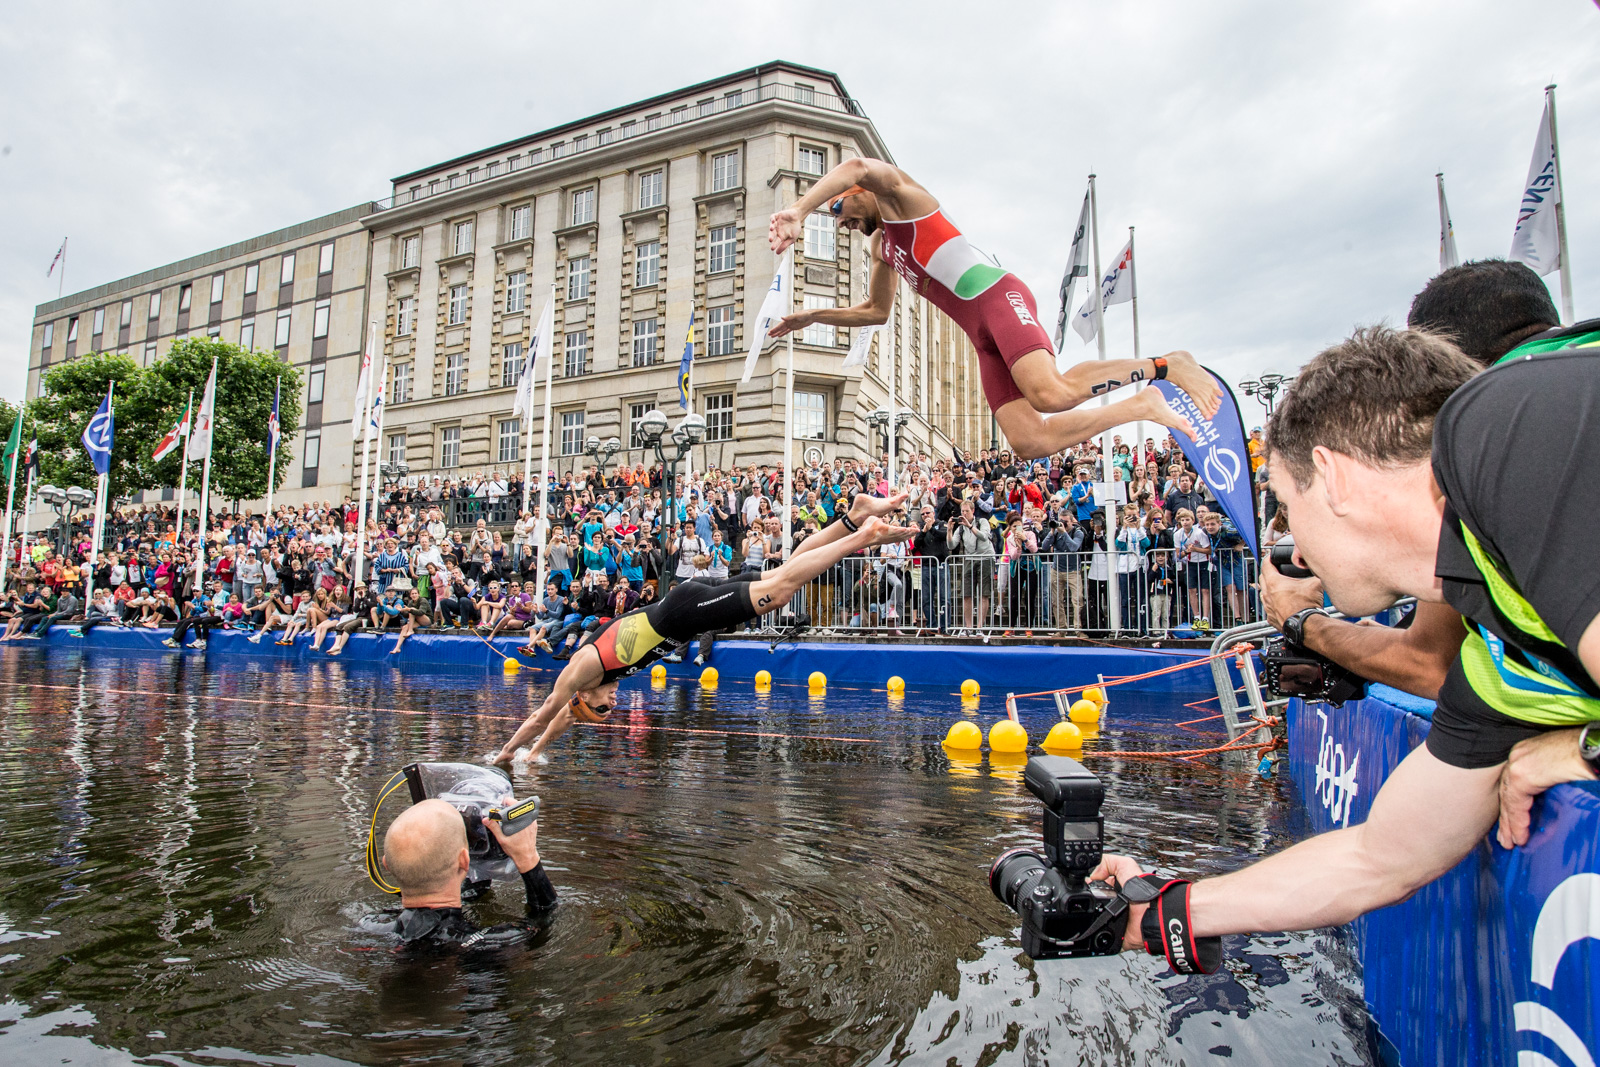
(661, 98)
(348, 215)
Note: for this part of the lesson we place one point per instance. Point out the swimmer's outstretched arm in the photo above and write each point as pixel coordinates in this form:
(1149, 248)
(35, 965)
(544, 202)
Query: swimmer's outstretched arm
(582, 672)
(862, 508)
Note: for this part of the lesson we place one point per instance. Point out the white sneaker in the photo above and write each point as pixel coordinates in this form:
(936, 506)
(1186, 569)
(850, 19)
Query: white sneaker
(198, 645)
(254, 639)
(169, 642)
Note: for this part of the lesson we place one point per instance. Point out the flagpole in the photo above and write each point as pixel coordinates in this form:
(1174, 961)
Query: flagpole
(1133, 280)
(205, 480)
(183, 478)
(541, 523)
(1113, 605)
(11, 490)
(788, 428)
(1563, 260)
(27, 515)
(366, 425)
(688, 400)
(103, 484)
(383, 410)
(272, 449)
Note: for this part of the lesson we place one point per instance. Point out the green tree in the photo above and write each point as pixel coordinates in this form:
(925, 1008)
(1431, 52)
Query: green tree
(72, 393)
(245, 381)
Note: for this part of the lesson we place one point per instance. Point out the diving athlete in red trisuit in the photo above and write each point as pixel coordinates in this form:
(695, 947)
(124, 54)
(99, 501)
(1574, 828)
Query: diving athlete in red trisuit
(993, 307)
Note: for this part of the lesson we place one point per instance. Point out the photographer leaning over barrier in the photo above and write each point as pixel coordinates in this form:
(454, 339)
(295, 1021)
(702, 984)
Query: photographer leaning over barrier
(1405, 475)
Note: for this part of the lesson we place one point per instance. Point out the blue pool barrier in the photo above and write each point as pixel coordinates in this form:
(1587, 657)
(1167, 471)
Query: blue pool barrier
(997, 668)
(1497, 961)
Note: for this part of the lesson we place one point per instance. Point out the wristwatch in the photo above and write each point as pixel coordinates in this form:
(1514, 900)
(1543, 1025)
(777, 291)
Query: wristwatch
(1589, 745)
(1294, 627)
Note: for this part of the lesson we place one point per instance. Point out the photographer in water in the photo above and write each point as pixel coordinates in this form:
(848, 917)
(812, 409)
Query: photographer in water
(425, 852)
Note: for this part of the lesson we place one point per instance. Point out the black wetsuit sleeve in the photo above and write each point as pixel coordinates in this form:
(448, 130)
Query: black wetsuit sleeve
(541, 894)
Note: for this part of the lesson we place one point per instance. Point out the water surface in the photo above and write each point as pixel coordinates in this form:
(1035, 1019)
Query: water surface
(182, 882)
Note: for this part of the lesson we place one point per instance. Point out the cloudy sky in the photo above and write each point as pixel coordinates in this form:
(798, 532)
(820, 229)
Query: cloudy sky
(1277, 158)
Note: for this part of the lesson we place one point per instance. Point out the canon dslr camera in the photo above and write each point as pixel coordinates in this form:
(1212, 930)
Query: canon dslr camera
(1062, 915)
(1292, 670)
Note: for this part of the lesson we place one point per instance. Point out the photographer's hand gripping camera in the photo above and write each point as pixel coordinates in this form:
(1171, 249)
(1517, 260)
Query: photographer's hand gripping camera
(1064, 915)
(481, 794)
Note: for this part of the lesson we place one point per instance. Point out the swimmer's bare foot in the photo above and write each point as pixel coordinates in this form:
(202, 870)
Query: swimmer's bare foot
(1150, 404)
(1187, 374)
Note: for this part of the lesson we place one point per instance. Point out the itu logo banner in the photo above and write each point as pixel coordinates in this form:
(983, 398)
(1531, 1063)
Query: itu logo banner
(1221, 455)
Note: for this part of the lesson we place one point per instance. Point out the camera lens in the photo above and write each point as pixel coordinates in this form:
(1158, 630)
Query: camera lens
(1014, 873)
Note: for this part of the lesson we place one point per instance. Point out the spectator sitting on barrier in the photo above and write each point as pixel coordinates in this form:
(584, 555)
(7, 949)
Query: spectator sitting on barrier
(414, 615)
(360, 610)
(492, 605)
(279, 609)
(300, 621)
(66, 606)
(102, 611)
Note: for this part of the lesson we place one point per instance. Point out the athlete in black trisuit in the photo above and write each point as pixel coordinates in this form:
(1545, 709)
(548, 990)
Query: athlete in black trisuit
(587, 686)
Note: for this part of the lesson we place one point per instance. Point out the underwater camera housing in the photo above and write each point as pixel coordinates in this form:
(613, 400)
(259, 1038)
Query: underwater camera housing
(481, 795)
(1062, 915)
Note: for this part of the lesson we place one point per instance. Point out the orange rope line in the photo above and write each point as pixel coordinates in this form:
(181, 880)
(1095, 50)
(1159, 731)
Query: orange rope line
(1239, 649)
(1231, 746)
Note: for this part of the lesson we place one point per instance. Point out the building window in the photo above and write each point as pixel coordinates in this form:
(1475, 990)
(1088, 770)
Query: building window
(578, 278)
(397, 448)
(281, 337)
(636, 413)
(410, 251)
(819, 333)
(810, 416)
(719, 331)
(804, 94)
(724, 243)
(400, 391)
(724, 171)
(214, 332)
(822, 237)
(582, 206)
(99, 321)
(652, 189)
(155, 304)
(571, 433)
(405, 319)
(319, 319)
(252, 281)
(127, 314)
(286, 270)
(455, 373)
(516, 290)
(247, 333)
(510, 437)
(652, 122)
(461, 241)
(49, 336)
(706, 106)
(185, 297)
(577, 354)
(458, 305)
(646, 263)
(313, 454)
(812, 160)
(521, 222)
(732, 99)
(325, 259)
(72, 329)
(644, 342)
(149, 353)
(511, 363)
(719, 417)
(580, 143)
(314, 383)
(450, 446)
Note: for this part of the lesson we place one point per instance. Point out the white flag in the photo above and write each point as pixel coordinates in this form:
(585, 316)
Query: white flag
(360, 414)
(204, 419)
(1077, 267)
(1115, 288)
(1447, 232)
(541, 344)
(1536, 241)
(778, 302)
(860, 345)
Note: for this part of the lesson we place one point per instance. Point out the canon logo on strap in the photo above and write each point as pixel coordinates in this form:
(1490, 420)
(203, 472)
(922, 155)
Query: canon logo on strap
(1175, 940)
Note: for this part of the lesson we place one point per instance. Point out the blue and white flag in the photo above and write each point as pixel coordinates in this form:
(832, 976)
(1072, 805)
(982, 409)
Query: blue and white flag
(1221, 454)
(778, 302)
(272, 422)
(1537, 239)
(97, 436)
(1115, 288)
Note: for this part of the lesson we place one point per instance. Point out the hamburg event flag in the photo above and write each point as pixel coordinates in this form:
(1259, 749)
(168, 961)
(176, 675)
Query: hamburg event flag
(363, 406)
(97, 436)
(1447, 232)
(200, 434)
(1537, 241)
(1220, 455)
(175, 436)
(860, 345)
(778, 301)
(542, 340)
(1077, 267)
(272, 421)
(1112, 291)
(685, 364)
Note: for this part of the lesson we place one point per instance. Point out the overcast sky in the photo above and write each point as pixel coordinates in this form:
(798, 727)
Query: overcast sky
(1277, 158)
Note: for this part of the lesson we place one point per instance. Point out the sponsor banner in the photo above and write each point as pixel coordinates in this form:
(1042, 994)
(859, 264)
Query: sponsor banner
(1221, 455)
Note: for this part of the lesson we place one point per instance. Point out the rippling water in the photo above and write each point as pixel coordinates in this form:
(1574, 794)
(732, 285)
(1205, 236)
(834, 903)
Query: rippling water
(181, 882)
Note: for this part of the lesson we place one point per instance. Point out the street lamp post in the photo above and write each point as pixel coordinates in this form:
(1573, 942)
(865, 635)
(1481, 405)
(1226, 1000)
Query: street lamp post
(879, 420)
(601, 453)
(64, 502)
(1266, 389)
(688, 433)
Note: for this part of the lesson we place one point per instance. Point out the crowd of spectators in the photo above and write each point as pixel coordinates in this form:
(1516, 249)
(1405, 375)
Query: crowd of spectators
(1007, 546)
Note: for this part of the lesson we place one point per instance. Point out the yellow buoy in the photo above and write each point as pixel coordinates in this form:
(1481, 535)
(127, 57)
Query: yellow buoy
(658, 672)
(818, 680)
(1008, 736)
(969, 688)
(1063, 737)
(763, 680)
(1096, 694)
(708, 678)
(896, 684)
(1084, 711)
(510, 666)
(964, 735)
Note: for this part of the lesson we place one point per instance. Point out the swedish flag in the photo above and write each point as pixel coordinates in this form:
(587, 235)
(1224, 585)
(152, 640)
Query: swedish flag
(683, 367)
